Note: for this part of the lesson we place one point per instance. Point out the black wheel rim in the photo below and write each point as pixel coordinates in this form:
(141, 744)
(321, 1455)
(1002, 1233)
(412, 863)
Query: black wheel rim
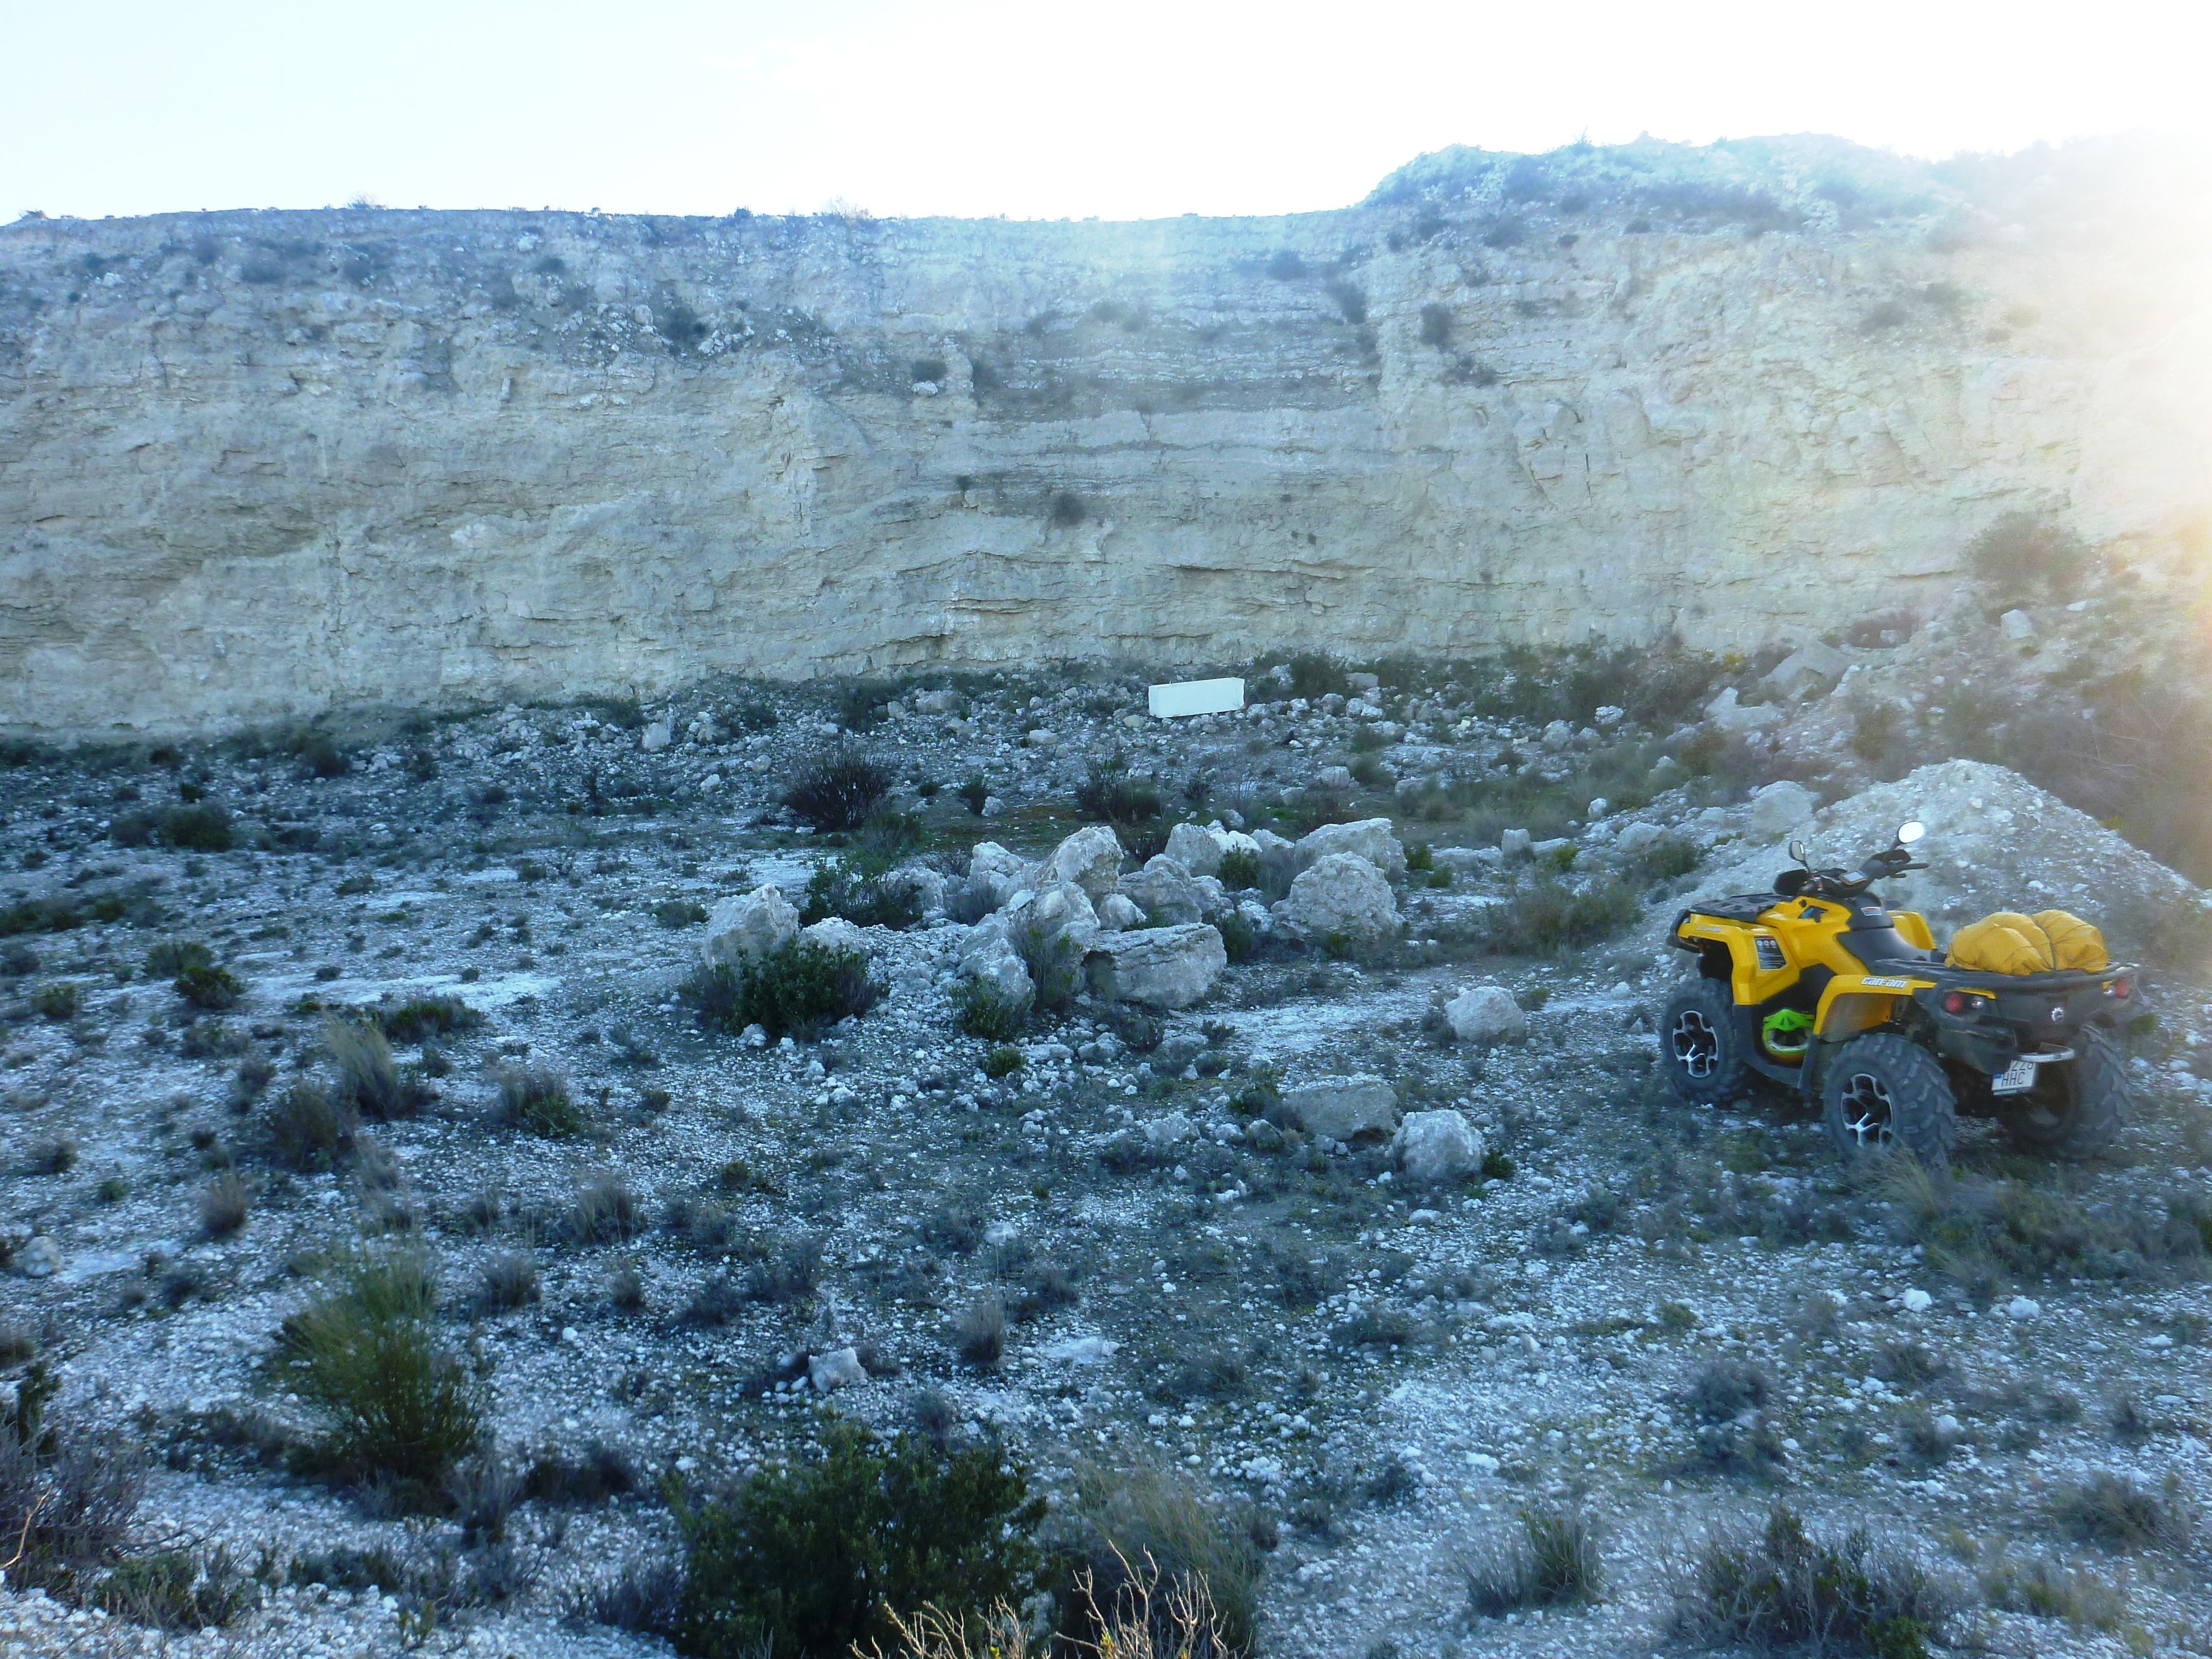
(1696, 1045)
(1869, 1116)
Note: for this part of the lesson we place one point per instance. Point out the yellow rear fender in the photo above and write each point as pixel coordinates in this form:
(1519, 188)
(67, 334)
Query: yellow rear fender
(1863, 1002)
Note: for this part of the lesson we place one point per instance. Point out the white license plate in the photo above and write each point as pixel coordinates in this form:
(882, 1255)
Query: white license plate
(2019, 1075)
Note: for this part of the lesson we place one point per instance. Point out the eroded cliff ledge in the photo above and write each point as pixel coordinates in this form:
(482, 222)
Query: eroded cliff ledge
(255, 466)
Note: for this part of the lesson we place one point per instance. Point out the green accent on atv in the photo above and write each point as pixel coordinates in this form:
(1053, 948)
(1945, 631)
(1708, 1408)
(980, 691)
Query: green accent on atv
(1787, 1033)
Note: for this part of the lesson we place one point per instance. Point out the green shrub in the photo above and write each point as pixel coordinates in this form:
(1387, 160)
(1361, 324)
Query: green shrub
(59, 999)
(679, 913)
(428, 1016)
(208, 987)
(171, 957)
(1666, 859)
(1552, 1560)
(370, 1079)
(837, 790)
(537, 1098)
(1548, 917)
(2023, 550)
(1002, 1061)
(975, 792)
(1125, 1518)
(1239, 869)
(396, 1405)
(1109, 795)
(980, 1012)
(307, 1129)
(802, 989)
(203, 828)
(809, 1559)
(863, 892)
(176, 1589)
(1239, 939)
(2119, 1512)
(1782, 1589)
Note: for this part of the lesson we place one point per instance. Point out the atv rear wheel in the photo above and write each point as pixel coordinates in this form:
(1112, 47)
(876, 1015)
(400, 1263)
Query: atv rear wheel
(1699, 1044)
(2076, 1106)
(1886, 1093)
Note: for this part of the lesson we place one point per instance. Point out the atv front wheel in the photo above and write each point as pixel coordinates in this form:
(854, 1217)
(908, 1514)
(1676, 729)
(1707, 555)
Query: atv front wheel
(1699, 1044)
(2076, 1106)
(1885, 1092)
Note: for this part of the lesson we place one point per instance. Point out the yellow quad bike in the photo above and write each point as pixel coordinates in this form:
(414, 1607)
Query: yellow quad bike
(1819, 988)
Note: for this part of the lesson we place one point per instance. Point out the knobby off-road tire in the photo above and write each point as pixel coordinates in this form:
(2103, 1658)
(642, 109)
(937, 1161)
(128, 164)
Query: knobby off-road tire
(2077, 1108)
(1886, 1093)
(1699, 1045)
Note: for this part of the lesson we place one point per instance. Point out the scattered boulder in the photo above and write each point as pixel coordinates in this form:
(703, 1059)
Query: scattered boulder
(1781, 807)
(1731, 716)
(1116, 911)
(995, 874)
(40, 1258)
(750, 926)
(1335, 779)
(1638, 838)
(1486, 1014)
(1435, 1148)
(1372, 839)
(1808, 669)
(1343, 1107)
(1058, 917)
(1170, 1130)
(2018, 625)
(1090, 858)
(835, 933)
(656, 737)
(839, 1368)
(1163, 967)
(988, 954)
(1162, 890)
(1212, 897)
(1196, 848)
(1515, 844)
(1343, 896)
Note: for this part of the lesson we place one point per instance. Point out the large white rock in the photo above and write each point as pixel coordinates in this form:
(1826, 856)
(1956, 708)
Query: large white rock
(835, 933)
(996, 874)
(1163, 890)
(1638, 837)
(988, 956)
(1343, 1107)
(1486, 1014)
(1115, 913)
(1343, 896)
(1059, 916)
(839, 1368)
(1731, 715)
(1434, 1148)
(1781, 807)
(1372, 839)
(1808, 669)
(1164, 967)
(1090, 858)
(656, 737)
(1195, 847)
(746, 926)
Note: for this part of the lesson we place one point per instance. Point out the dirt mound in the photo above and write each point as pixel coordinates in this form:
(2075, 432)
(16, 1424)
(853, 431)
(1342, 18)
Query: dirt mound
(1996, 842)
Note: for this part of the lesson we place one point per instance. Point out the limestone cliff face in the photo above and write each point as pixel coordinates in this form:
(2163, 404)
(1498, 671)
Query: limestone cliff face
(259, 464)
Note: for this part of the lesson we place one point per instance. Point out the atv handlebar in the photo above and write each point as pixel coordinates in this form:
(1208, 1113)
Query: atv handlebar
(1890, 862)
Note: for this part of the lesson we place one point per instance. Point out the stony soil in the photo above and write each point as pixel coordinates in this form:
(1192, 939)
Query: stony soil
(1387, 1376)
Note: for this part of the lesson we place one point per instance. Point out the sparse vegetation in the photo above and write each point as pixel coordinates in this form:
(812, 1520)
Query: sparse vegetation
(1551, 1559)
(1782, 1589)
(537, 1098)
(802, 989)
(1144, 1528)
(837, 790)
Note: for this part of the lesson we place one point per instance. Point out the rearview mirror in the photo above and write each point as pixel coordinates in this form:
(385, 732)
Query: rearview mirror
(1797, 852)
(1908, 833)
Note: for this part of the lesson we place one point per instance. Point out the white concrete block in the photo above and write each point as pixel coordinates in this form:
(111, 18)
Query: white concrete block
(1196, 697)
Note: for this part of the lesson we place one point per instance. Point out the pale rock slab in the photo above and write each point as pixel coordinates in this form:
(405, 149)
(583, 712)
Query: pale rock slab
(1198, 849)
(1090, 858)
(1163, 967)
(1781, 807)
(1372, 839)
(1343, 1107)
(1116, 911)
(1436, 1148)
(1343, 895)
(995, 874)
(749, 926)
(1163, 890)
(1486, 1014)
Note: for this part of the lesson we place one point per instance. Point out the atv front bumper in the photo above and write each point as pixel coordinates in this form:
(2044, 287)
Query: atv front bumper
(1988, 1021)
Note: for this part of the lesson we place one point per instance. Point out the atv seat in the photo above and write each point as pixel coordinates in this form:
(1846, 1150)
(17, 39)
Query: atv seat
(1885, 947)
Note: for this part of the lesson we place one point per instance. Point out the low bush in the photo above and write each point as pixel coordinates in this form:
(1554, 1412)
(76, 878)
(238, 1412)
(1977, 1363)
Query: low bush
(369, 1081)
(979, 1011)
(208, 986)
(202, 828)
(224, 1204)
(397, 1406)
(56, 1155)
(603, 1473)
(1552, 1559)
(59, 1000)
(1109, 794)
(812, 1559)
(509, 1280)
(974, 794)
(802, 990)
(863, 892)
(1665, 858)
(1548, 917)
(67, 1500)
(1780, 1588)
(978, 1334)
(177, 1589)
(2045, 1589)
(2120, 1513)
(1002, 1061)
(1146, 1528)
(837, 790)
(644, 1597)
(605, 1211)
(1239, 871)
(537, 1098)
(2021, 552)
(790, 1270)
(307, 1129)
(421, 1018)
(1239, 938)
(1983, 1232)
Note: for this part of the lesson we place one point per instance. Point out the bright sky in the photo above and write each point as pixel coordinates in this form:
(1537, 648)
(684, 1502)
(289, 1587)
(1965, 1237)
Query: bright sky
(981, 106)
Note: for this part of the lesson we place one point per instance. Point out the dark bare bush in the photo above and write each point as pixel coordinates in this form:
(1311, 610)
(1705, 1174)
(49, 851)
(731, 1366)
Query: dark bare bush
(305, 1129)
(1782, 1589)
(836, 791)
(605, 1211)
(602, 1475)
(1551, 1559)
(224, 1204)
(2120, 1513)
(791, 1272)
(67, 1500)
(978, 1334)
(509, 1280)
